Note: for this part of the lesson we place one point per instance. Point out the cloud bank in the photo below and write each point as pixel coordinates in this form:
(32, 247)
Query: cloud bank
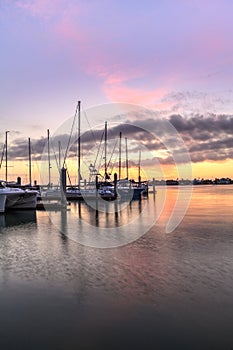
(208, 138)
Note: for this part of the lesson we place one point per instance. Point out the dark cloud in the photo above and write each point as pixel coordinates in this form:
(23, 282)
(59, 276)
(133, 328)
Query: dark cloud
(206, 138)
(196, 101)
(19, 150)
(212, 124)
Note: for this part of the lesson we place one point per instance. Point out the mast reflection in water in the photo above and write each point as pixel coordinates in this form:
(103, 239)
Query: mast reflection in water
(162, 291)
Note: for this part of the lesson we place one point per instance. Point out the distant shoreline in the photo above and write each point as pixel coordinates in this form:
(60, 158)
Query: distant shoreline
(195, 182)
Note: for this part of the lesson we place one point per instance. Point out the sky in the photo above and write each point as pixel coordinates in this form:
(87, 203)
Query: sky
(172, 57)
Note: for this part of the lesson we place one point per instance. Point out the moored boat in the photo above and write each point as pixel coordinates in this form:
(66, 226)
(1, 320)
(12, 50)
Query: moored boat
(74, 193)
(16, 198)
(131, 189)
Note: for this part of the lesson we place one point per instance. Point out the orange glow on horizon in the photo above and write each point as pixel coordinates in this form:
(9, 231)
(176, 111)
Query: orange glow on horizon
(207, 170)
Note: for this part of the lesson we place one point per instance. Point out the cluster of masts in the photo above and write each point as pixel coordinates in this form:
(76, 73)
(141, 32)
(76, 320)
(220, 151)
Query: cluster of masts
(93, 169)
(5, 152)
(62, 165)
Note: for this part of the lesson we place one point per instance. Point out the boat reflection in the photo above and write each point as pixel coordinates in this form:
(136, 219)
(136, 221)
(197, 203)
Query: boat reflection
(104, 224)
(107, 214)
(17, 217)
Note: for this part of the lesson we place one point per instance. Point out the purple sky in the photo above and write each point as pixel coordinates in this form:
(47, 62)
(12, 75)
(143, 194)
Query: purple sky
(173, 56)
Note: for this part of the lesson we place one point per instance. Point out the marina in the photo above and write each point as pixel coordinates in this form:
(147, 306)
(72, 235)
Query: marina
(116, 175)
(101, 185)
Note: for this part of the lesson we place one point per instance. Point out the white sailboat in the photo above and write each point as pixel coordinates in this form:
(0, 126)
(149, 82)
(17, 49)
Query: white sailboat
(15, 197)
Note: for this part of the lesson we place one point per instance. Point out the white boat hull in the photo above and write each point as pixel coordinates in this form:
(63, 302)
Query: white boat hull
(16, 198)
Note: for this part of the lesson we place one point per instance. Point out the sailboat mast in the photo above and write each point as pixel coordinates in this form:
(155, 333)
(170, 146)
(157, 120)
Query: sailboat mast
(139, 167)
(59, 155)
(126, 157)
(119, 171)
(6, 155)
(79, 144)
(105, 151)
(49, 163)
(3, 153)
(30, 161)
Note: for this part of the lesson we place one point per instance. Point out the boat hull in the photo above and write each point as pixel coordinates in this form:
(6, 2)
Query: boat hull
(21, 200)
(130, 193)
(79, 195)
(2, 202)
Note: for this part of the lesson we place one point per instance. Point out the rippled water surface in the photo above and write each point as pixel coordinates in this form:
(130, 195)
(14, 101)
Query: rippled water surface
(162, 291)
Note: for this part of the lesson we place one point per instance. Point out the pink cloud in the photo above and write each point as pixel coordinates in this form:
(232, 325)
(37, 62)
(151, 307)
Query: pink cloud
(132, 95)
(119, 85)
(90, 50)
(117, 80)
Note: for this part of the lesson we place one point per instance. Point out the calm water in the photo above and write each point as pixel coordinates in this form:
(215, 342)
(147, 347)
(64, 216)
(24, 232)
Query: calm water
(163, 291)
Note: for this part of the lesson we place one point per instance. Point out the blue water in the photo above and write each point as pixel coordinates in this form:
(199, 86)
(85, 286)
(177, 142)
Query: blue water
(162, 291)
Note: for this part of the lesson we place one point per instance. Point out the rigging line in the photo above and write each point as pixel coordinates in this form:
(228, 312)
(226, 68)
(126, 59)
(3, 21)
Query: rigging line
(92, 132)
(71, 131)
(113, 164)
(96, 158)
(101, 157)
(64, 164)
(99, 148)
(37, 166)
(113, 150)
(68, 175)
(3, 152)
(55, 156)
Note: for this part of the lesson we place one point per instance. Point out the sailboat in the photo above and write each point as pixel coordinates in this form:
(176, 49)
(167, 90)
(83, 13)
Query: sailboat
(89, 191)
(12, 197)
(130, 189)
(99, 189)
(16, 198)
(6, 193)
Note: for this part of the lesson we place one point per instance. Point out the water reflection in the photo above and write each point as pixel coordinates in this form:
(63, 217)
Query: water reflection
(164, 291)
(115, 224)
(17, 217)
(112, 214)
(107, 224)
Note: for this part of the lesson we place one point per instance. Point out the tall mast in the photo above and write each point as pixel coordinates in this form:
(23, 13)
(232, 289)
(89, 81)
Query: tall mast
(105, 151)
(30, 161)
(6, 155)
(126, 159)
(59, 155)
(3, 153)
(49, 163)
(139, 167)
(119, 171)
(79, 144)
